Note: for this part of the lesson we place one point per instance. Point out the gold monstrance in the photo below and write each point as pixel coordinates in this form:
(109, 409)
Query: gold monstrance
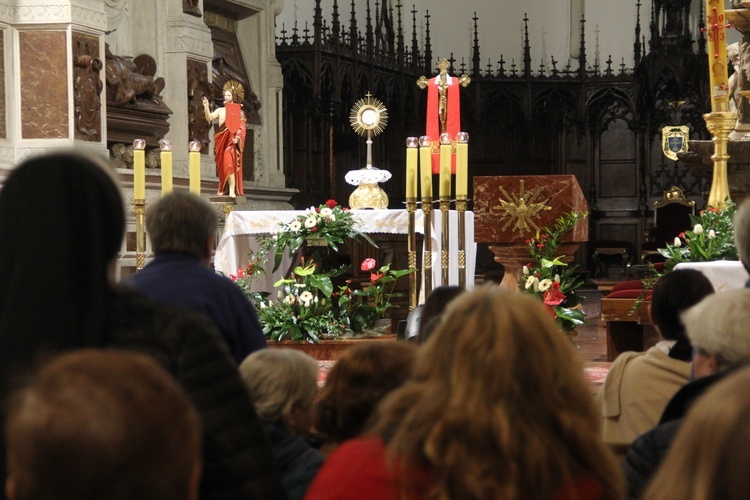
(368, 118)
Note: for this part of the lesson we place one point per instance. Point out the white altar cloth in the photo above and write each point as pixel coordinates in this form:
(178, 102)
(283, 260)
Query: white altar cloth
(723, 274)
(242, 227)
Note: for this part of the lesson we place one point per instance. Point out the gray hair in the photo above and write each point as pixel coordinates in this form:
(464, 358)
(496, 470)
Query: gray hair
(718, 325)
(278, 379)
(742, 232)
(181, 222)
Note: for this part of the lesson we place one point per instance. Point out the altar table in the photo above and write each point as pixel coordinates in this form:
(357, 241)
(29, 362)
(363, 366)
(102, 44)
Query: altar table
(242, 228)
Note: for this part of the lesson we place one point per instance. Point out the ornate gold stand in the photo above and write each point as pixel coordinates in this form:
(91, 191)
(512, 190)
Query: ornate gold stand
(461, 204)
(139, 207)
(427, 257)
(445, 206)
(720, 124)
(411, 209)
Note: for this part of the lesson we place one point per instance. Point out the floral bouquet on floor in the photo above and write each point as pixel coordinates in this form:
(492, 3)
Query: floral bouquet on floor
(711, 238)
(330, 223)
(551, 280)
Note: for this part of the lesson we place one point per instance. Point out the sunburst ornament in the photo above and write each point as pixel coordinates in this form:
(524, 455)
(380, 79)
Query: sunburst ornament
(368, 115)
(236, 87)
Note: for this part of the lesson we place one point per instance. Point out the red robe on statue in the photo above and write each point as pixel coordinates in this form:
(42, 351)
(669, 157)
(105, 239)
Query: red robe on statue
(452, 121)
(228, 155)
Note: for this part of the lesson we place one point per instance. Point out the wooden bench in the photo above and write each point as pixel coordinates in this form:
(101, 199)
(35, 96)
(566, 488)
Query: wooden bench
(627, 330)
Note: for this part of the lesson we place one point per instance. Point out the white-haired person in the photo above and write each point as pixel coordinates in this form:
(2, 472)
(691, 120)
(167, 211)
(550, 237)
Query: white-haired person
(283, 383)
(717, 329)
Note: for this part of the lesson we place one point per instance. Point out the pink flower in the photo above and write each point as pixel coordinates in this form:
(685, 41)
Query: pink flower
(240, 273)
(368, 264)
(331, 203)
(554, 297)
(374, 277)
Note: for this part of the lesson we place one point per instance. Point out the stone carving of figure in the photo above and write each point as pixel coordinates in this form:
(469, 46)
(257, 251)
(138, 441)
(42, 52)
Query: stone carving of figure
(87, 90)
(735, 99)
(125, 83)
(229, 140)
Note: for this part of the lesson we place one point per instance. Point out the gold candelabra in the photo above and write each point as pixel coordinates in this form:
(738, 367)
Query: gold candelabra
(139, 207)
(411, 209)
(461, 204)
(720, 124)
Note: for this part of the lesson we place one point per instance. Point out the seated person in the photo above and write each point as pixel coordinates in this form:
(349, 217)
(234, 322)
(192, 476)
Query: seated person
(433, 308)
(98, 425)
(710, 456)
(639, 384)
(496, 407)
(361, 377)
(283, 384)
(717, 329)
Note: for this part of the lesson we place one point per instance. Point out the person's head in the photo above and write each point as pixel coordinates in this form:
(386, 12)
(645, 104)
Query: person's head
(674, 293)
(497, 384)
(717, 328)
(182, 222)
(62, 223)
(709, 457)
(742, 232)
(433, 309)
(104, 425)
(361, 377)
(283, 384)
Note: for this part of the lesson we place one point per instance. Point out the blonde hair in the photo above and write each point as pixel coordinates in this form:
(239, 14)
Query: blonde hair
(278, 379)
(709, 457)
(497, 406)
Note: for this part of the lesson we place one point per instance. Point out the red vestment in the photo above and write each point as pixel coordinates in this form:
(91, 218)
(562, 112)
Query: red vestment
(452, 121)
(228, 155)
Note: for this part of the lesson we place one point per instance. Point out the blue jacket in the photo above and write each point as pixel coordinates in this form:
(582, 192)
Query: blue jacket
(182, 280)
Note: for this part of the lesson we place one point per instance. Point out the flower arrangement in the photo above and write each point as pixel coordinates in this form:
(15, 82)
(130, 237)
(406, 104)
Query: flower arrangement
(711, 238)
(379, 291)
(550, 279)
(330, 223)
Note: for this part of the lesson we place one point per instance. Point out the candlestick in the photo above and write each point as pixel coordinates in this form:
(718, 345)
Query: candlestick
(139, 169)
(411, 208)
(411, 167)
(445, 165)
(425, 167)
(462, 164)
(195, 167)
(166, 166)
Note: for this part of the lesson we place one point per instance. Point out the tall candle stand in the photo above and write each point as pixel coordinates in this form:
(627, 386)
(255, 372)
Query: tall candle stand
(445, 206)
(461, 204)
(427, 257)
(411, 209)
(139, 207)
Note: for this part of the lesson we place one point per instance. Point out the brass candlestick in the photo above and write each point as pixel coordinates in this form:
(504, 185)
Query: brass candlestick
(411, 209)
(461, 204)
(139, 207)
(445, 205)
(720, 124)
(427, 257)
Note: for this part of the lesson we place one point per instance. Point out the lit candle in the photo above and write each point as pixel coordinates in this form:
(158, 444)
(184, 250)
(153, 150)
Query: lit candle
(462, 164)
(717, 55)
(411, 167)
(445, 165)
(195, 167)
(166, 166)
(139, 169)
(425, 167)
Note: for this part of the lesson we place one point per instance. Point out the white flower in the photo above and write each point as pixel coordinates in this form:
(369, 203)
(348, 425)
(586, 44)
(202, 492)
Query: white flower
(557, 278)
(290, 300)
(677, 242)
(325, 212)
(322, 301)
(311, 222)
(711, 234)
(526, 270)
(698, 229)
(306, 297)
(530, 282)
(545, 285)
(332, 217)
(275, 237)
(262, 305)
(280, 295)
(295, 226)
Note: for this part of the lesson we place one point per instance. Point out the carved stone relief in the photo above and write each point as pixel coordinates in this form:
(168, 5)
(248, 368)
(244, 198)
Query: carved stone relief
(191, 7)
(198, 87)
(87, 87)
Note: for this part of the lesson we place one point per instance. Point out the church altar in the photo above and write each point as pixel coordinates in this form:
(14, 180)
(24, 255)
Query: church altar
(723, 274)
(242, 228)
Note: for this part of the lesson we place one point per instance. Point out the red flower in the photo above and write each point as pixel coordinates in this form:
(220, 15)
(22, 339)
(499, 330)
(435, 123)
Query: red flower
(555, 285)
(240, 273)
(233, 277)
(553, 297)
(528, 241)
(374, 277)
(315, 230)
(331, 203)
(540, 245)
(250, 269)
(368, 264)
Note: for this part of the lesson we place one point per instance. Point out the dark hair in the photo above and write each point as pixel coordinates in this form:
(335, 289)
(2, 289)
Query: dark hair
(181, 222)
(673, 293)
(361, 377)
(105, 425)
(433, 309)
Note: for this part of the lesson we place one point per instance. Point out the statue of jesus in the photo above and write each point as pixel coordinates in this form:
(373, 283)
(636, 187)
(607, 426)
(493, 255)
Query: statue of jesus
(229, 140)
